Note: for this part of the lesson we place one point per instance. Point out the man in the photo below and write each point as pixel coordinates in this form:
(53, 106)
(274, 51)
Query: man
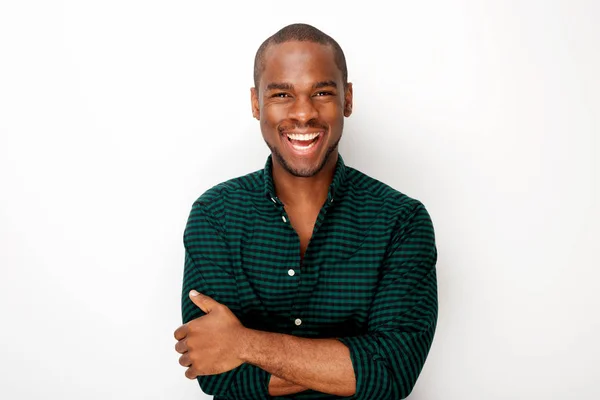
(307, 279)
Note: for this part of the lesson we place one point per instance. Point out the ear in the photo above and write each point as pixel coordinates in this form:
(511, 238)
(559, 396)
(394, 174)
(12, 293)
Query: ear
(254, 103)
(348, 100)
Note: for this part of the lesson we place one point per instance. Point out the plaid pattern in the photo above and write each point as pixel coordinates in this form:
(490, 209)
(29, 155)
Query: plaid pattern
(368, 277)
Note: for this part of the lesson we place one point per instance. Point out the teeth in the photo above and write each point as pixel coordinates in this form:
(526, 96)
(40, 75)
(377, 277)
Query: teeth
(303, 147)
(303, 137)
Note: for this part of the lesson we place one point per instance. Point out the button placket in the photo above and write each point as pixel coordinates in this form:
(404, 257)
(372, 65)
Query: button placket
(279, 206)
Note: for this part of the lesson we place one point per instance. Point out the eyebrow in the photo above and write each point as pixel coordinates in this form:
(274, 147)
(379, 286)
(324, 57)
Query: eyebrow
(322, 84)
(280, 86)
(289, 86)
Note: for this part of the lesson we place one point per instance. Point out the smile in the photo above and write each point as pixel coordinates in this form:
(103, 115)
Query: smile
(303, 141)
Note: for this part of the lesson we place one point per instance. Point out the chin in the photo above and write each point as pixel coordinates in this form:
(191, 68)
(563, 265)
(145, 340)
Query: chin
(304, 168)
(305, 165)
(304, 172)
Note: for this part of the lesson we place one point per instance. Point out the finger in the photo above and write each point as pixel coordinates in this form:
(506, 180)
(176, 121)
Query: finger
(181, 332)
(181, 346)
(184, 360)
(206, 304)
(190, 373)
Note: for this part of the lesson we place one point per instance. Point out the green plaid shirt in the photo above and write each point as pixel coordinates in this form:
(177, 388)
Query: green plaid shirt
(368, 277)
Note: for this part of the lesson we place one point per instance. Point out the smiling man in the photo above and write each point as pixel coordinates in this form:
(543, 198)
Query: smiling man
(306, 279)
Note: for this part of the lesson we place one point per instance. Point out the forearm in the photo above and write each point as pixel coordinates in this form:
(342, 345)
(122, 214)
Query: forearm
(281, 387)
(323, 365)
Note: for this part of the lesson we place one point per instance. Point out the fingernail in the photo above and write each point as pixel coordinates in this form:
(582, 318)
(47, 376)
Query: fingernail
(194, 293)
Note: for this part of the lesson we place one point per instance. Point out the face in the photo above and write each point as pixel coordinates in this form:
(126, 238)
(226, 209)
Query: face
(301, 103)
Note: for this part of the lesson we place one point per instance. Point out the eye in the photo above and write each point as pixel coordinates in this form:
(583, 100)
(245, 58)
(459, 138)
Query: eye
(281, 95)
(323, 93)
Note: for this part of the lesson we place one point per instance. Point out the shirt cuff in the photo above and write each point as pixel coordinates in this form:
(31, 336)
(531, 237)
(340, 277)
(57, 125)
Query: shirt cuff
(372, 376)
(246, 382)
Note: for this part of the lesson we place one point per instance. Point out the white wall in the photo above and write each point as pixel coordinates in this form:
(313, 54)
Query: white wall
(116, 115)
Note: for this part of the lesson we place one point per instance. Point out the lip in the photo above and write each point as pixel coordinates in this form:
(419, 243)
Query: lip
(308, 151)
(303, 131)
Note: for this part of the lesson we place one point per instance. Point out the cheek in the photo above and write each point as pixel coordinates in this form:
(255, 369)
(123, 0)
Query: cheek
(332, 114)
(269, 121)
(272, 115)
(265, 125)
(331, 109)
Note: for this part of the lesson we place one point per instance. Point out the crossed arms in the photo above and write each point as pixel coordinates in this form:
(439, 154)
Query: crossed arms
(232, 361)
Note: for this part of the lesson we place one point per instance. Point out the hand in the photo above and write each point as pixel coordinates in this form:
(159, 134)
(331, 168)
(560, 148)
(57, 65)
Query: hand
(210, 344)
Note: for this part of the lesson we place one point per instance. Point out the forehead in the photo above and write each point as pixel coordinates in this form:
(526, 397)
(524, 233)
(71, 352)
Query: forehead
(299, 63)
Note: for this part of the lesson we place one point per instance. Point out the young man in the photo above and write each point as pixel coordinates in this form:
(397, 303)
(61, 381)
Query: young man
(307, 279)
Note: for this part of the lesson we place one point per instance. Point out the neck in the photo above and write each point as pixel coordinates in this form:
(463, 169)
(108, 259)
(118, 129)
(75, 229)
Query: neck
(297, 191)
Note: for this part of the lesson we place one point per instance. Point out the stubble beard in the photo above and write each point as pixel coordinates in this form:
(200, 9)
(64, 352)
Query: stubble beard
(307, 172)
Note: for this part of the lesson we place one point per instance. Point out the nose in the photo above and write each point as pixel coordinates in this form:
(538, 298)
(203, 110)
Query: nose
(303, 110)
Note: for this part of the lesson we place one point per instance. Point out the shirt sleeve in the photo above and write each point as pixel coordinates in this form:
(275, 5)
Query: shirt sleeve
(207, 270)
(388, 359)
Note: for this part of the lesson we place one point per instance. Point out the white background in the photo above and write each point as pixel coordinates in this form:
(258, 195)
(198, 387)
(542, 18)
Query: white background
(116, 115)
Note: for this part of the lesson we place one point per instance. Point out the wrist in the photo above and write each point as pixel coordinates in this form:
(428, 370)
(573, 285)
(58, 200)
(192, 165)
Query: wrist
(256, 345)
(245, 341)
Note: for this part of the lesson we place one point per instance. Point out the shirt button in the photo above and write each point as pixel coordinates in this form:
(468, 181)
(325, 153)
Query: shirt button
(283, 218)
(291, 272)
(298, 322)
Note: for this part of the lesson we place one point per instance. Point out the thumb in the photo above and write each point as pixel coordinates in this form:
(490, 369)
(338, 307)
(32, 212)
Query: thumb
(205, 303)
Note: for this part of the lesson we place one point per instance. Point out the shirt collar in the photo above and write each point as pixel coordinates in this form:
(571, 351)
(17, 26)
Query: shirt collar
(335, 189)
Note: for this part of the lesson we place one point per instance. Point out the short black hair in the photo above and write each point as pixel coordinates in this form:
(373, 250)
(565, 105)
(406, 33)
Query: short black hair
(302, 33)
